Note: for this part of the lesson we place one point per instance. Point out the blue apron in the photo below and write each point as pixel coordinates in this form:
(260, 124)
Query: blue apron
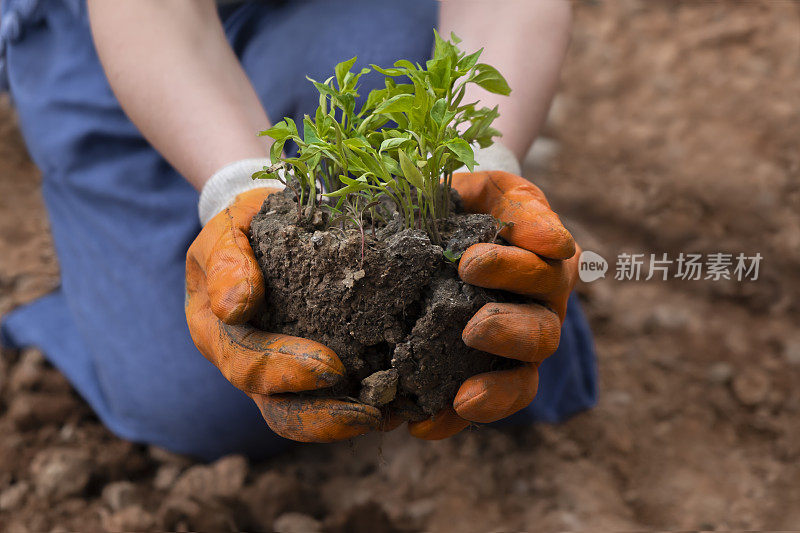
(122, 218)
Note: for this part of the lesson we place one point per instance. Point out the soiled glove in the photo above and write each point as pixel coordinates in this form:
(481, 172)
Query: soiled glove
(541, 263)
(224, 286)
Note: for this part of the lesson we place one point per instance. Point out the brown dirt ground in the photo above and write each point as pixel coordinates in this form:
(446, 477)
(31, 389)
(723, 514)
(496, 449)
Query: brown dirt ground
(676, 130)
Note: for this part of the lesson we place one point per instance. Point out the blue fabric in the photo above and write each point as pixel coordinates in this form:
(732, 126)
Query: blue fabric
(122, 218)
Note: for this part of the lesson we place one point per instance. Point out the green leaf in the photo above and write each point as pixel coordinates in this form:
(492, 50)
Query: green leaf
(351, 186)
(373, 122)
(460, 96)
(443, 48)
(297, 164)
(469, 61)
(375, 97)
(348, 103)
(486, 139)
(393, 143)
(314, 160)
(373, 164)
(406, 64)
(440, 72)
(397, 104)
(400, 119)
(490, 79)
(342, 69)
(319, 114)
(481, 121)
(391, 165)
(463, 152)
(423, 101)
(356, 143)
(280, 131)
(263, 175)
(439, 45)
(400, 88)
(390, 71)
(276, 150)
(410, 171)
(438, 111)
(325, 89)
(310, 135)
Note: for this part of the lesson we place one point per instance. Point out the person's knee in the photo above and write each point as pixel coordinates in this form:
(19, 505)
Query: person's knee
(203, 424)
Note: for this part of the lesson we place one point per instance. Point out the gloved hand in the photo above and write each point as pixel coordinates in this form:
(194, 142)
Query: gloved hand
(541, 263)
(224, 286)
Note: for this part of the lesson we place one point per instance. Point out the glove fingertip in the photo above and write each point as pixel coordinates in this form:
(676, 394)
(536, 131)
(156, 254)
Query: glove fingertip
(469, 403)
(495, 395)
(306, 419)
(546, 238)
(563, 244)
(445, 424)
(475, 260)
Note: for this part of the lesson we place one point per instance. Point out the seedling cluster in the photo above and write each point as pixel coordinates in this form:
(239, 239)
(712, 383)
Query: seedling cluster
(400, 148)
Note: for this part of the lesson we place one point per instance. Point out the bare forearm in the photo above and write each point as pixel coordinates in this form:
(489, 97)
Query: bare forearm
(527, 41)
(177, 78)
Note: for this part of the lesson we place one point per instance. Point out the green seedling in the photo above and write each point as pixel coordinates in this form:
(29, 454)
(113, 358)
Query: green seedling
(401, 147)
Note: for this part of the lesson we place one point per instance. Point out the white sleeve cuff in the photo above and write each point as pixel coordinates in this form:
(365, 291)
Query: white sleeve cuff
(229, 182)
(496, 157)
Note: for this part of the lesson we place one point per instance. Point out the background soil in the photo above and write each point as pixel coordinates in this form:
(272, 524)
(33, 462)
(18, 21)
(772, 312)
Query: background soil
(676, 130)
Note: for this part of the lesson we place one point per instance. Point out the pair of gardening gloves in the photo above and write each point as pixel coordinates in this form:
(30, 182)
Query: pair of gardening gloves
(225, 287)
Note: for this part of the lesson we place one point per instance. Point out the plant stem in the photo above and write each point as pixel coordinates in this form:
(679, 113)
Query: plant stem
(361, 229)
(448, 180)
(434, 229)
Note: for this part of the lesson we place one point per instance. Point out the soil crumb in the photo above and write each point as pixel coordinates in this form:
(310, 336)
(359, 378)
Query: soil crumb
(379, 388)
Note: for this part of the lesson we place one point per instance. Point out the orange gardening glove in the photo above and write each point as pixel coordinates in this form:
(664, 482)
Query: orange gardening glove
(224, 287)
(541, 263)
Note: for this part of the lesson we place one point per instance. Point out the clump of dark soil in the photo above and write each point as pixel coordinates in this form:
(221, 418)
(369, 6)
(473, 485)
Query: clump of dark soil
(389, 304)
